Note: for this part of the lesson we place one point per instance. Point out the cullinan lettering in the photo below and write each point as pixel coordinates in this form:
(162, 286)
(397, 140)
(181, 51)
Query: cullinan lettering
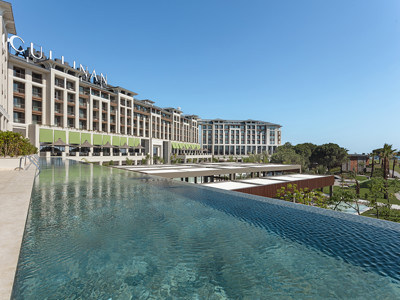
(90, 77)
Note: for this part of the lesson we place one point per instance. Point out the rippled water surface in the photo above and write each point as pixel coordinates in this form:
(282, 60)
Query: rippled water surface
(100, 233)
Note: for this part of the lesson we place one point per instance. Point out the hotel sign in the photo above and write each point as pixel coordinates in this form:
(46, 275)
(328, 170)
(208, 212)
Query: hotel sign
(88, 76)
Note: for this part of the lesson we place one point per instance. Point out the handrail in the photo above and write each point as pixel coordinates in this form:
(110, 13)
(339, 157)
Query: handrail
(34, 159)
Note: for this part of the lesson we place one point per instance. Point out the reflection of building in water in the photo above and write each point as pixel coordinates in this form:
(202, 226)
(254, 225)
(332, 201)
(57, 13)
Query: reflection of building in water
(80, 187)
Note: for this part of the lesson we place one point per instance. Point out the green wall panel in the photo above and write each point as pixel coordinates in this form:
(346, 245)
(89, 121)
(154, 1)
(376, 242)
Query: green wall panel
(115, 140)
(137, 142)
(60, 134)
(123, 140)
(97, 139)
(86, 137)
(131, 142)
(74, 138)
(45, 135)
(106, 138)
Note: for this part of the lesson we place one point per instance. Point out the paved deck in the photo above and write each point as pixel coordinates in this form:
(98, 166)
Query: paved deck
(15, 195)
(210, 169)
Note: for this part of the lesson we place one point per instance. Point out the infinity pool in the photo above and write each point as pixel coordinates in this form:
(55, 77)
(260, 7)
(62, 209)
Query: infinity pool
(100, 233)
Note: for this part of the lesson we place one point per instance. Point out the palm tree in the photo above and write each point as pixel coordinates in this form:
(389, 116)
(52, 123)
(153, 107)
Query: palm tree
(375, 152)
(387, 153)
(394, 162)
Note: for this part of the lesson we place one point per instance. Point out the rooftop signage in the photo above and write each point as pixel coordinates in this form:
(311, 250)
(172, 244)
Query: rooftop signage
(30, 52)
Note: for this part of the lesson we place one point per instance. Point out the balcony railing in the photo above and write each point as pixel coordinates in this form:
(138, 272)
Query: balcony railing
(19, 90)
(19, 105)
(84, 92)
(36, 108)
(59, 84)
(37, 95)
(37, 80)
(19, 120)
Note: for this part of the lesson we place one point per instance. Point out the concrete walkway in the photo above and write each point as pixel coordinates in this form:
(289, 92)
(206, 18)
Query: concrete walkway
(15, 195)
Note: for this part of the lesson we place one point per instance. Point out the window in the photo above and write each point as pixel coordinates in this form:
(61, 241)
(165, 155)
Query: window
(18, 72)
(82, 102)
(70, 85)
(36, 106)
(71, 97)
(36, 92)
(36, 119)
(58, 95)
(59, 82)
(37, 77)
(19, 102)
(83, 91)
(58, 121)
(57, 108)
(19, 117)
(19, 87)
(82, 124)
(71, 122)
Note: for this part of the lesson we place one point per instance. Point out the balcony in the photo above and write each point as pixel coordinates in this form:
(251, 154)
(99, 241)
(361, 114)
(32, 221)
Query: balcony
(19, 109)
(19, 120)
(37, 96)
(19, 91)
(37, 80)
(59, 83)
(36, 108)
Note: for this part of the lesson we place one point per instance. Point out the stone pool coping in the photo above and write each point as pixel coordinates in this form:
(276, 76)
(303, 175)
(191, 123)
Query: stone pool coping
(15, 195)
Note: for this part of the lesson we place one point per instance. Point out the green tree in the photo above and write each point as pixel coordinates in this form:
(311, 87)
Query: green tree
(387, 153)
(14, 144)
(305, 150)
(303, 196)
(394, 162)
(329, 155)
(287, 155)
(379, 189)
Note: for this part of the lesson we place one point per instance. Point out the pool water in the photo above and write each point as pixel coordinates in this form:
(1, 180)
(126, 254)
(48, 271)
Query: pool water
(350, 209)
(100, 233)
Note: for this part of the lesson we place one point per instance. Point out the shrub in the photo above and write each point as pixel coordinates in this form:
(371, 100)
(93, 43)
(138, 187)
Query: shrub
(14, 144)
(129, 162)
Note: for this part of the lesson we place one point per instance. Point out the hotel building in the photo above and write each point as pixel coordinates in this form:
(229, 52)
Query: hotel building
(66, 109)
(239, 137)
(50, 100)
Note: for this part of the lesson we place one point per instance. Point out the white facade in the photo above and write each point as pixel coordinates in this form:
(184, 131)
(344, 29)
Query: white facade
(7, 27)
(239, 137)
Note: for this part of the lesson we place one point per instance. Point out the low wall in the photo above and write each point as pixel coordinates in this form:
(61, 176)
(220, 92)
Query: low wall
(270, 190)
(9, 163)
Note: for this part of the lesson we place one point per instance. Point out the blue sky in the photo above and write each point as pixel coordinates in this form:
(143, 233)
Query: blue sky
(327, 71)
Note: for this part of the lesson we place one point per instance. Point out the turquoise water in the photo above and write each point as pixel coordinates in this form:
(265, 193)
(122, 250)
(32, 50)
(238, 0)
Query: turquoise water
(100, 233)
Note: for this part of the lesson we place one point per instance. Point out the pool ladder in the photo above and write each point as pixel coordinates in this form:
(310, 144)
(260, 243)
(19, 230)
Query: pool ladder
(34, 159)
